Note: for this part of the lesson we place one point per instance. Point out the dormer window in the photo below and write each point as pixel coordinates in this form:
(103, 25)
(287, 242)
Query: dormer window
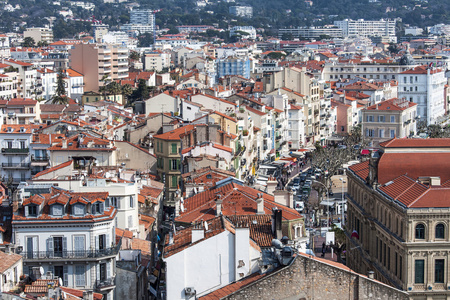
(31, 210)
(78, 210)
(57, 210)
(97, 208)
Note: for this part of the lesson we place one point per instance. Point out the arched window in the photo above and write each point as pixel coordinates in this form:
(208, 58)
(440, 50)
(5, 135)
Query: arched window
(440, 230)
(420, 231)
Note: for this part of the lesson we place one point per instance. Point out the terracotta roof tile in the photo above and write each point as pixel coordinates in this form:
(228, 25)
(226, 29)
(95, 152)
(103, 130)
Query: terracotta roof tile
(8, 260)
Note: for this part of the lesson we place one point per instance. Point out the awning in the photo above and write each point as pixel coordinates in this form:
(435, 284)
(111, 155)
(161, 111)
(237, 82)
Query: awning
(365, 152)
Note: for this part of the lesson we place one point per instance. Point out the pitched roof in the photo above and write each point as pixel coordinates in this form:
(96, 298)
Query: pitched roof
(78, 293)
(392, 104)
(236, 200)
(416, 143)
(421, 70)
(52, 169)
(175, 134)
(8, 260)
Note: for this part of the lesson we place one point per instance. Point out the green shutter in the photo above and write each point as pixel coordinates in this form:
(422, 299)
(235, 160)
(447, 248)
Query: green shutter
(174, 148)
(178, 164)
(174, 181)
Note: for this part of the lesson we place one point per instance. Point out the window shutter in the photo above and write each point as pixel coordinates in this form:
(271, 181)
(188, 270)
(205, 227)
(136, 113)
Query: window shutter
(108, 244)
(97, 243)
(119, 202)
(26, 211)
(35, 244)
(108, 270)
(178, 164)
(98, 272)
(66, 276)
(50, 247)
(64, 246)
(100, 206)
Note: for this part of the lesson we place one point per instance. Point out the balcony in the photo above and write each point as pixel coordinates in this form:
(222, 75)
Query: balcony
(105, 283)
(16, 165)
(20, 151)
(77, 254)
(278, 137)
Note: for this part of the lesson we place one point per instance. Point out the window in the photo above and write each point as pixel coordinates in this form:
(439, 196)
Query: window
(101, 242)
(131, 201)
(174, 182)
(381, 119)
(58, 246)
(381, 133)
(97, 208)
(32, 210)
(342, 128)
(439, 271)
(369, 118)
(419, 271)
(78, 209)
(174, 148)
(175, 164)
(392, 119)
(439, 232)
(22, 145)
(392, 133)
(369, 132)
(102, 272)
(420, 231)
(57, 210)
(80, 277)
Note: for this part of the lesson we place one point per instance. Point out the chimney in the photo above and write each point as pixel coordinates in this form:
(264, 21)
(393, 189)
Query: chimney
(64, 143)
(260, 204)
(271, 185)
(276, 223)
(197, 232)
(88, 295)
(177, 206)
(218, 205)
(370, 274)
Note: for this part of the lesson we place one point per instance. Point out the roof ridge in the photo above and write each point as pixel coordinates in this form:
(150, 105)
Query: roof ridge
(418, 198)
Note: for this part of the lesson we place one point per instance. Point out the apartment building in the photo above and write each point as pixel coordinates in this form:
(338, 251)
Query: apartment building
(233, 66)
(26, 79)
(39, 34)
(425, 86)
(99, 63)
(57, 226)
(335, 71)
(15, 153)
(75, 84)
(399, 211)
(46, 81)
(389, 119)
(365, 28)
(241, 11)
(311, 32)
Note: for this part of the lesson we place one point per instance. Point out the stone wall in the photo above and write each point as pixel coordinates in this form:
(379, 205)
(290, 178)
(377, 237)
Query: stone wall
(311, 278)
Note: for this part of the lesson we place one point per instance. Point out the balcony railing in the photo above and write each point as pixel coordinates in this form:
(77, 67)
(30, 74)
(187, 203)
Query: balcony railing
(15, 150)
(77, 254)
(99, 284)
(40, 158)
(16, 165)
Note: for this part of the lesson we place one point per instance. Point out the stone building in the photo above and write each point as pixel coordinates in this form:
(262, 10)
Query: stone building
(308, 277)
(398, 216)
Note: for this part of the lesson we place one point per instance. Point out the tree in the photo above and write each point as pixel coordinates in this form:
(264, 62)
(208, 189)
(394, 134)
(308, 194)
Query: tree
(134, 55)
(142, 92)
(105, 79)
(28, 42)
(42, 44)
(127, 90)
(339, 241)
(114, 88)
(145, 40)
(275, 55)
(60, 96)
(393, 48)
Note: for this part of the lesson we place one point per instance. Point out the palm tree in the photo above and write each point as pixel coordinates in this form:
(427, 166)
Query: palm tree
(127, 90)
(114, 88)
(60, 96)
(105, 81)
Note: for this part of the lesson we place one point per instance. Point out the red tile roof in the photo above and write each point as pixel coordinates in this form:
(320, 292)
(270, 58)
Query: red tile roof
(79, 293)
(8, 260)
(415, 165)
(237, 200)
(392, 104)
(421, 70)
(416, 143)
(175, 134)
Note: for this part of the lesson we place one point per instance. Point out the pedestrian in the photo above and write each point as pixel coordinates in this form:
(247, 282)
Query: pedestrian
(323, 251)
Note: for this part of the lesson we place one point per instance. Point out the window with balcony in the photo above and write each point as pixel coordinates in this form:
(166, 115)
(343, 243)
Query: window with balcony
(80, 275)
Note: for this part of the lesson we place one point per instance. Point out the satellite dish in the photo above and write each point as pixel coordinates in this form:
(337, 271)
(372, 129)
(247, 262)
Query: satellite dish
(41, 270)
(60, 281)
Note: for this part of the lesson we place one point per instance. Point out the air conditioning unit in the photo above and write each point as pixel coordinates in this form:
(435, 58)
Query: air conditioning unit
(190, 291)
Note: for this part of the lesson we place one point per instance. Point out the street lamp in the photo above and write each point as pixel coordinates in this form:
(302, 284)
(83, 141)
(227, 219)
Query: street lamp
(342, 201)
(328, 207)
